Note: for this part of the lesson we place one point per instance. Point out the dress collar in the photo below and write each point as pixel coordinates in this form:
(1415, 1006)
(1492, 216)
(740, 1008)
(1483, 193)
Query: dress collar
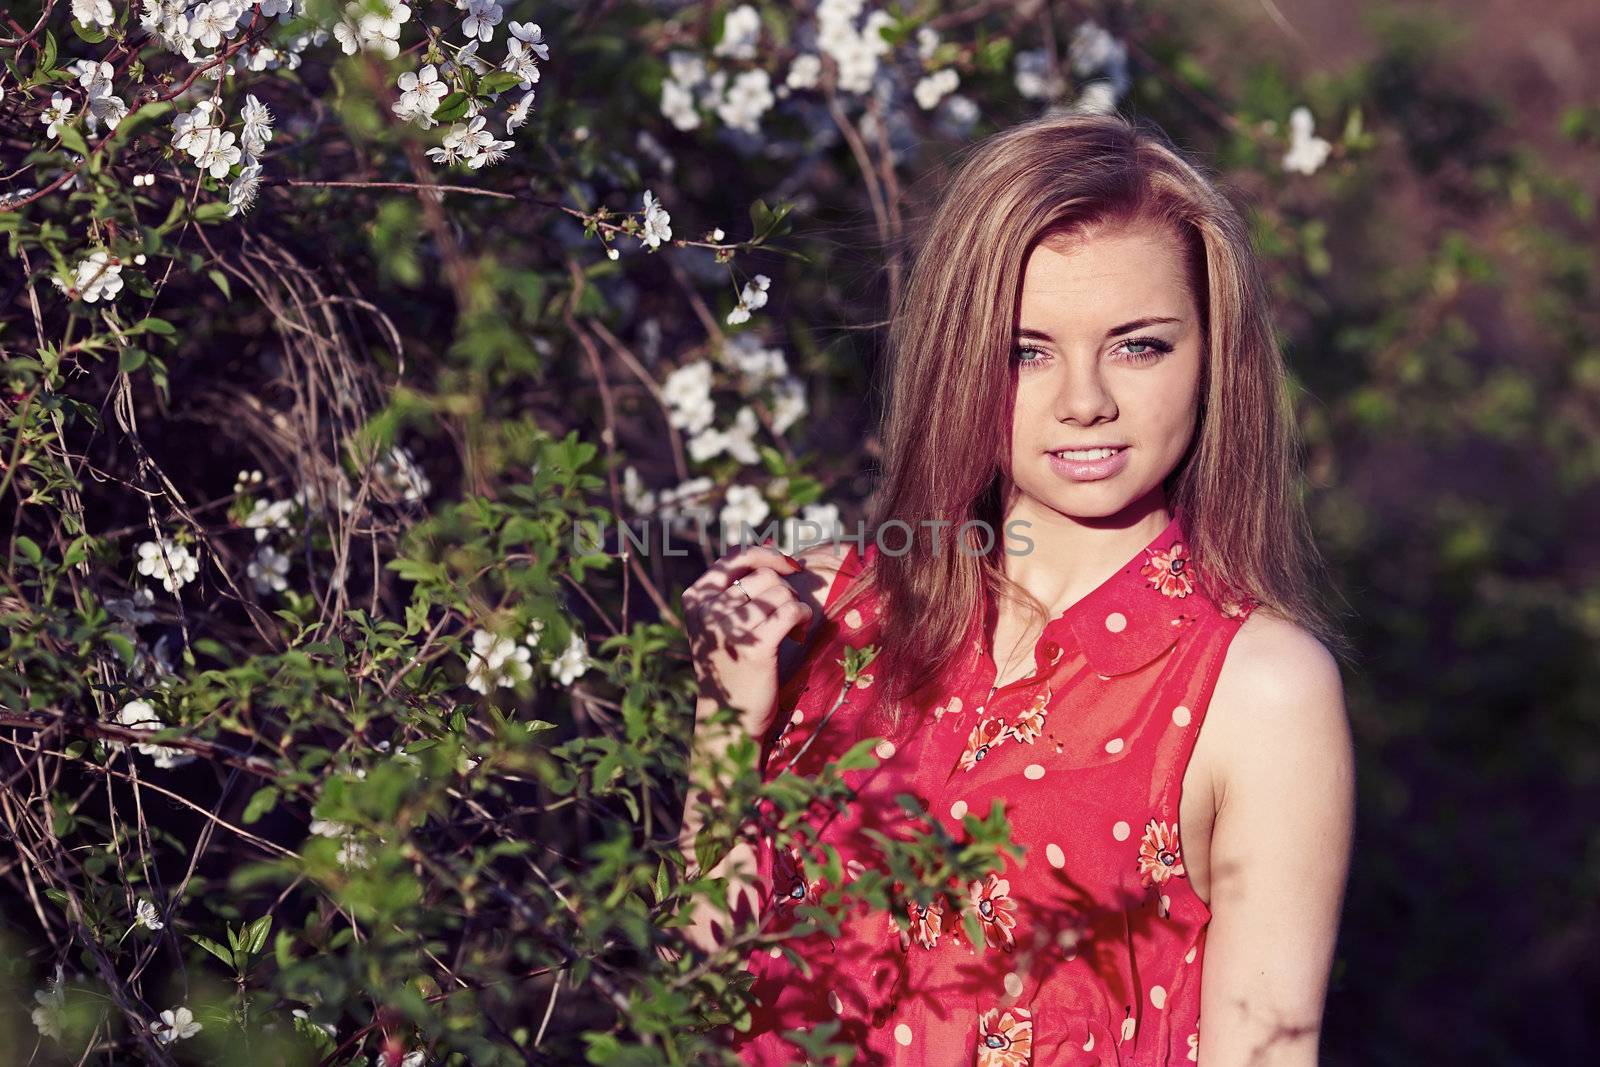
(1140, 611)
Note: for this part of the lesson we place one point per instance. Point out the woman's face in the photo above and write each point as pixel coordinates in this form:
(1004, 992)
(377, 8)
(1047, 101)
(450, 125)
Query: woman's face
(1107, 355)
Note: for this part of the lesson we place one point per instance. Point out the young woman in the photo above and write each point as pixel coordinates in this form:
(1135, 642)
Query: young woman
(1096, 603)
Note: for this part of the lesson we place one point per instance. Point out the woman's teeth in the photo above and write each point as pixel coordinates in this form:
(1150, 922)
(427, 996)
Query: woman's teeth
(1086, 454)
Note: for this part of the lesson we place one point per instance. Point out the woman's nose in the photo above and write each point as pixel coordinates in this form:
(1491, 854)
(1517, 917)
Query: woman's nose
(1083, 397)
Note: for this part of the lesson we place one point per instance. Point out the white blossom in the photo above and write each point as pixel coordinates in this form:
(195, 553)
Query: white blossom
(752, 297)
(640, 499)
(268, 515)
(531, 37)
(482, 17)
(738, 440)
(95, 278)
(169, 561)
(743, 507)
(1093, 51)
(520, 61)
(104, 105)
(573, 661)
(758, 366)
(1033, 76)
(657, 223)
(243, 189)
(686, 68)
(176, 1025)
(816, 523)
(496, 661)
(219, 153)
(788, 404)
(139, 715)
(420, 94)
(677, 105)
(93, 12)
(740, 30)
(50, 1006)
(269, 570)
(399, 469)
(257, 125)
(146, 915)
(856, 53)
(935, 87)
(687, 392)
(686, 501)
(193, 127)
(519, 115)
(748, 98)
(804, 71)
(1307, 152)
(927, 42)
(56, 114)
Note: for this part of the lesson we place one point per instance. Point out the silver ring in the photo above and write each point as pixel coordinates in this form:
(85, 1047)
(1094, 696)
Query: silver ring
(746, 592)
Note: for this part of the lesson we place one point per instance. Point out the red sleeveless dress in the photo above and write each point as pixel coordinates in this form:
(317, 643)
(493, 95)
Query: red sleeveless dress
(1093, 942)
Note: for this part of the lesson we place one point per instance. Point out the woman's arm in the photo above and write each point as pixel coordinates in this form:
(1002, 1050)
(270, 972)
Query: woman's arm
(742, 865)
(1280, 847)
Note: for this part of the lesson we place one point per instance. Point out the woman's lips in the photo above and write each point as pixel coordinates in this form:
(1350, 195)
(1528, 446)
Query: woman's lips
(1088, 470)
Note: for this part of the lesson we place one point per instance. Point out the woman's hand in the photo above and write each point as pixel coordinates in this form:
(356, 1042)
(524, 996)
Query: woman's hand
(736, 615)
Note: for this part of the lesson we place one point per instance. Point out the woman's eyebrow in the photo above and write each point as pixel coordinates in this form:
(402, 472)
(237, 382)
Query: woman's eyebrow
(1115, 331)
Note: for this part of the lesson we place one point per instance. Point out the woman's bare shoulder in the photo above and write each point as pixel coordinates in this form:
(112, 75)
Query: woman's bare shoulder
(1279, 686)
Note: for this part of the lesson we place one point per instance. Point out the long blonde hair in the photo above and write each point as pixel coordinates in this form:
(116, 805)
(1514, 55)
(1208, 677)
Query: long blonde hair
(949, 388)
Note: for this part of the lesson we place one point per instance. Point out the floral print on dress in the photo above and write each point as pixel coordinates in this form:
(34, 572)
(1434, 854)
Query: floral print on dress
(996, 910)
(1169, 571)
(1030, 724)
(1159, 855)
(1068, 915)
(790, 879)
(927, 921)
(984, 736)
(1005, 1038)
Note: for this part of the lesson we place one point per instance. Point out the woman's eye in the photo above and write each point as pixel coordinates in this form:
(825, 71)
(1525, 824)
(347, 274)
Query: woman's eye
(1023, 352)
(1149, 350)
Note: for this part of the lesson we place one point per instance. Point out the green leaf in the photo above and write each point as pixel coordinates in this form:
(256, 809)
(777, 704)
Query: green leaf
(29, 549)
(123, 646)
(47, 61)
(451, 107)
(72, 140)
(256, 939)
(92, 34)
(221, 280)
(155, 325)
(131, 359)
(212, 211)
(496, 82)
(212, 947)
(263, 801)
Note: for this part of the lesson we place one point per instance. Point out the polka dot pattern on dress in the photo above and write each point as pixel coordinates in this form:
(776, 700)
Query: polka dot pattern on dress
(1080, 753)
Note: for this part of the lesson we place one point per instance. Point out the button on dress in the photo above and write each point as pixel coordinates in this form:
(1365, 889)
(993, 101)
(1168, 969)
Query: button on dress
(1092, 942)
